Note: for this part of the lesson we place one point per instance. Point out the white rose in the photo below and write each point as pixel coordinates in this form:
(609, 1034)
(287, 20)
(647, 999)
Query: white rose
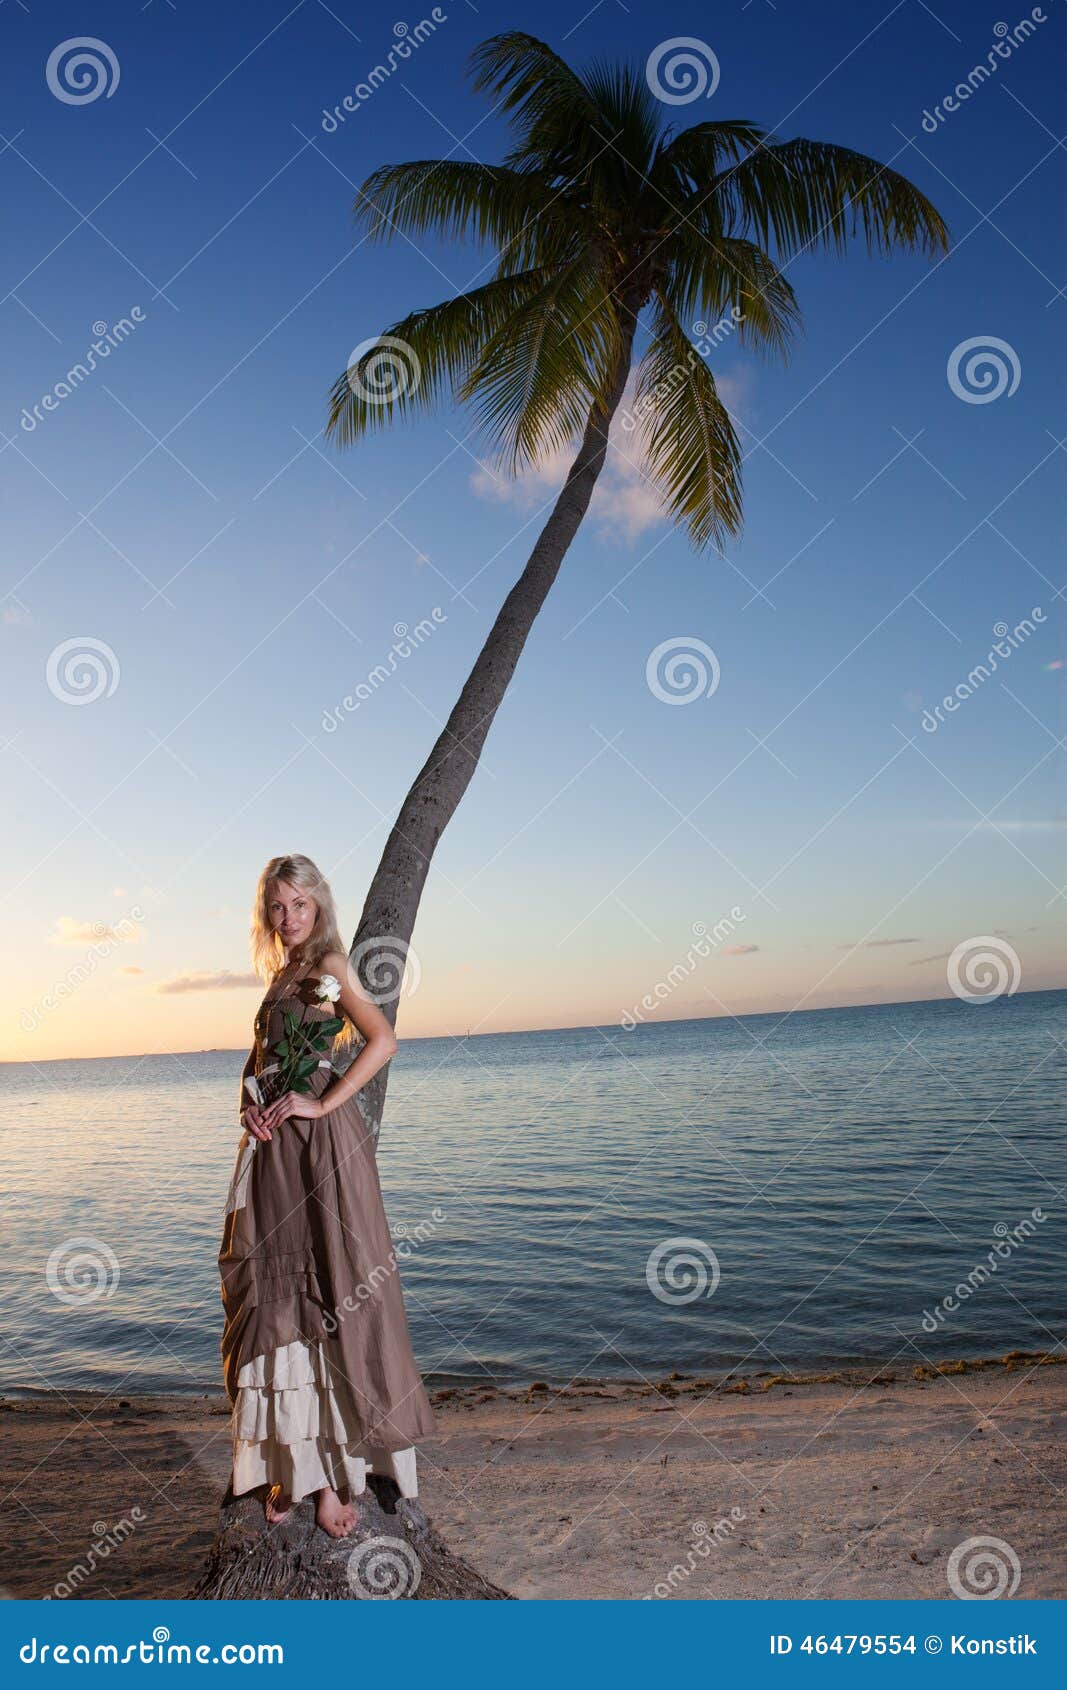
(328, 989)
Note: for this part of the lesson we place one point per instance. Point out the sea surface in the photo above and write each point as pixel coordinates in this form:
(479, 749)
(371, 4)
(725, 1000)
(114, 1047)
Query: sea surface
(763, 1194)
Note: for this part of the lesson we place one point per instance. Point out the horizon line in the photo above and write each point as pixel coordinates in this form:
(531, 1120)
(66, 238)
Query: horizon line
(569, 1027)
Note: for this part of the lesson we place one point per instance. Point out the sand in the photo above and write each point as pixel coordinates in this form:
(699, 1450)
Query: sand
(849, 1486)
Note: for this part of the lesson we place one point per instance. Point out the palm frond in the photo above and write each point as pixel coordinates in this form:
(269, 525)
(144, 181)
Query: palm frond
(732, 280)
(696, 154)
(597, 216)
(547, 365)
(547, 100)
(413, 363)
(630, 127)
(808, 194)
(693, 452)
(456, 199)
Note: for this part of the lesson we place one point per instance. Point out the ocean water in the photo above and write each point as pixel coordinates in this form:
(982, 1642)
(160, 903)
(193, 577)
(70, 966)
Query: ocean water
(763, 1194)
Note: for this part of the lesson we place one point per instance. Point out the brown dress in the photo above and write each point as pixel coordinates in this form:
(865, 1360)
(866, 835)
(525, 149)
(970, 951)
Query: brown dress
(316, 1350)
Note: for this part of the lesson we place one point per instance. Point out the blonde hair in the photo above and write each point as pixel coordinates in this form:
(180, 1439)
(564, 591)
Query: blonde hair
(268, 951)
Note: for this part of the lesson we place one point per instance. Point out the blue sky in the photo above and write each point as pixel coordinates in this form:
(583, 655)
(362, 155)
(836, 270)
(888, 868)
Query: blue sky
(182, 508)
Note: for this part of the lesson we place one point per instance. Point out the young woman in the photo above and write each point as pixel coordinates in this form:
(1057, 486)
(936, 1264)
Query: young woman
(315, 1347)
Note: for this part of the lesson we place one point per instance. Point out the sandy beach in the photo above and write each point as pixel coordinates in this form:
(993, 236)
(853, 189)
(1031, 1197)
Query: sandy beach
(850, 1484)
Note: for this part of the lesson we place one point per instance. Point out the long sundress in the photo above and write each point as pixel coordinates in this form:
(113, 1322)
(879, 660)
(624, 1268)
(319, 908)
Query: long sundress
(316, 1350)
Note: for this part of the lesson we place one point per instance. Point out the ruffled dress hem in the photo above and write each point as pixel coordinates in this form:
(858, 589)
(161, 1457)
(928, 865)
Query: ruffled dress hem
(291, 1427)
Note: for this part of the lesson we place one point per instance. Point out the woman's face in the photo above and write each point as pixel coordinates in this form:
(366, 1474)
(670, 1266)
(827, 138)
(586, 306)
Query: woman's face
(291, 912)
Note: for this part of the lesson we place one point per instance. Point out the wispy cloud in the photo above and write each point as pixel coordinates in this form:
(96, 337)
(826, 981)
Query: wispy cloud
(876, 944)
(625, 500)
(81, 933)
(131, 968)
(222, 980)
(740, 950)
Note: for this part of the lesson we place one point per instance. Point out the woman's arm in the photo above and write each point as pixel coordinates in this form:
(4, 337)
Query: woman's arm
(380, 1044)
(249, 1068)
(248, 1113)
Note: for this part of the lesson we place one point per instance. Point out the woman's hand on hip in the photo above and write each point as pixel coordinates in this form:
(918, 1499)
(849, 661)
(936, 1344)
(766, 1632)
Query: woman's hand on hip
(300, 1104)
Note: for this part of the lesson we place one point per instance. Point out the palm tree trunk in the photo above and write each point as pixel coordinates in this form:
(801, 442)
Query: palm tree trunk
(388, 918)
(248, 1559)
(296, 1561)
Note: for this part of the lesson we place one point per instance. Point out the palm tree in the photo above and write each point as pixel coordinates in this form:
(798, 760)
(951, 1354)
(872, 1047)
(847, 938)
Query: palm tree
(606, 226)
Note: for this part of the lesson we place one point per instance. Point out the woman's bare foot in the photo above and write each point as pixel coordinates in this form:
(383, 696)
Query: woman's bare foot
(333, 1515)
(277, 1506)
